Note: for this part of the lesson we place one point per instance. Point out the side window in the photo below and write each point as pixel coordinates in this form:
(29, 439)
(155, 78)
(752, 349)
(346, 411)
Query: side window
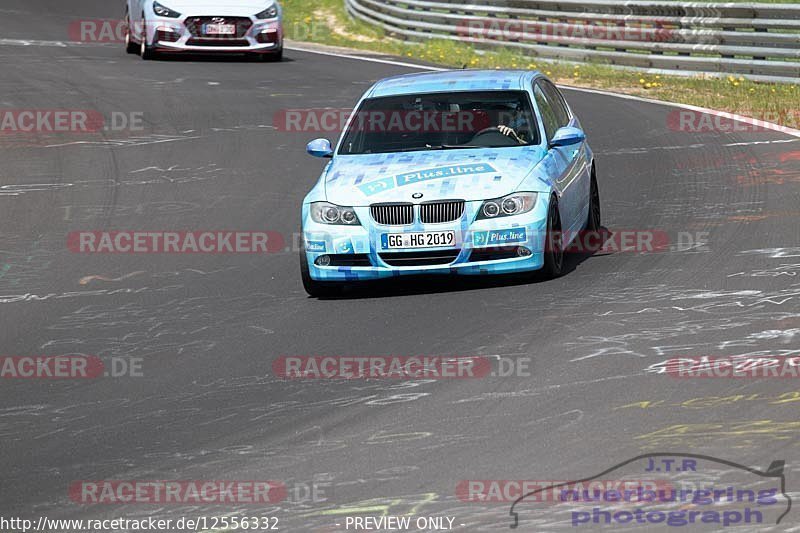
(549, 118)
(558, 103)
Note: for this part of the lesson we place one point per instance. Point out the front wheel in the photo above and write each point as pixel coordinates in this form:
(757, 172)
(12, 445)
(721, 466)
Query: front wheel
(314, 288)
(554, 243)
(146, 51)
(130, 46)
(271, 57)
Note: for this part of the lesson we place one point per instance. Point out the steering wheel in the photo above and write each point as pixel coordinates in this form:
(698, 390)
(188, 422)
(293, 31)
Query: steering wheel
(493, 137)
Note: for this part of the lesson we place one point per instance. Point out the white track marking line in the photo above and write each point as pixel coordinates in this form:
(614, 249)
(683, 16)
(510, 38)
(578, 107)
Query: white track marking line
(637, 151)
(368, 59)
(121, 143)
(739, 118)
(57, 44)
(782, 141)
(723, 114)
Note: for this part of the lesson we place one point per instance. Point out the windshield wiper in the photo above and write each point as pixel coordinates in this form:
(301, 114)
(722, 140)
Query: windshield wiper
(429, 147)
(415, 149)
(459, 147)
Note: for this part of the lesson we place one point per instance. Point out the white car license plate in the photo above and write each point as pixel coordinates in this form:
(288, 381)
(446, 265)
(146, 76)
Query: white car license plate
(220, 29)
(433, 239)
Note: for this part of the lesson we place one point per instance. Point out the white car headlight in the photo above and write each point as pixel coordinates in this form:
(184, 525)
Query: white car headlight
(508, 206)
(270, 13)
(327, 213)
(164, 11)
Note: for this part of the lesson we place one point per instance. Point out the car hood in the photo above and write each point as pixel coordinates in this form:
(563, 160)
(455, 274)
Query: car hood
(360, 180)
(215, 7)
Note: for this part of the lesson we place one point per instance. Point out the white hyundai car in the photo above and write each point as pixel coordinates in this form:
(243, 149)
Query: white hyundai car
(253, 27)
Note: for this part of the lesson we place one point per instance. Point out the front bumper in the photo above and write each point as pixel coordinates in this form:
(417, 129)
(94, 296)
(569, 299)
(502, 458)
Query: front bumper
(185, 35)
(482, 246)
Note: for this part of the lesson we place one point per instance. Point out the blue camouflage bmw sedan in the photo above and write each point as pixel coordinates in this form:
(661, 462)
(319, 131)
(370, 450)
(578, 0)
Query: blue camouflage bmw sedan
(456, 172)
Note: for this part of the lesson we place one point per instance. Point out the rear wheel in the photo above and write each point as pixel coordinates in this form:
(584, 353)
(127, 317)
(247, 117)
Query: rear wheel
(554, 243)
(314, 288)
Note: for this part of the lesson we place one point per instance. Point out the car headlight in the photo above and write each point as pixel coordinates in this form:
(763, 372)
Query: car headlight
(508, 206)
(270, 13)
(163, 11)
(325, 213)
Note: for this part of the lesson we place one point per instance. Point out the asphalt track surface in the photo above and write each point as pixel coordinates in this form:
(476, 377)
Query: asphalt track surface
(207, 328)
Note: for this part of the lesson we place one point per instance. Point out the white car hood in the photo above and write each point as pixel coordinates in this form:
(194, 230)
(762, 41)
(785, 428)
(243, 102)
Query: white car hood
(218, 7)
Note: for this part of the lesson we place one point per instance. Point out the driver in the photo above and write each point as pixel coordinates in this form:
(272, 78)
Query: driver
(517, 121)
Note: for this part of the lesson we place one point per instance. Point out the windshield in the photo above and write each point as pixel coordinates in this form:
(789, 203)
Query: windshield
(441, 121)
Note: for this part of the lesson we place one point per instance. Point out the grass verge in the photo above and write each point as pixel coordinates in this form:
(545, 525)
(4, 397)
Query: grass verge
(326, 22)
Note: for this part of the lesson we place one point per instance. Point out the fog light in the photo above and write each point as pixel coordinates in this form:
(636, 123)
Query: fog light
(268, 36)
(323, 260)
(523, 252)
(166, 35)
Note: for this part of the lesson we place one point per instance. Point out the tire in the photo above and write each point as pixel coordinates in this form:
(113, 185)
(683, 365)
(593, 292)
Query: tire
(131, 46)
(277, 57)
(594, 219)
(554, 245)
(145, 50)
(272, 57)
(316, 289)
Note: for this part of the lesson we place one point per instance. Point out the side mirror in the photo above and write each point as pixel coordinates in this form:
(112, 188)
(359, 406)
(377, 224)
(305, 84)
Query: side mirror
(320, 148)
(567, 136)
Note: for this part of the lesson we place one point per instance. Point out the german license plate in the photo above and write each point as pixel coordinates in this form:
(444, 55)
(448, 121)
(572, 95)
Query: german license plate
(432, 239)
(220, 29)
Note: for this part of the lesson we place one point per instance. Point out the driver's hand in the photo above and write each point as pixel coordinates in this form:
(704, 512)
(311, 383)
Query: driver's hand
(509, 132)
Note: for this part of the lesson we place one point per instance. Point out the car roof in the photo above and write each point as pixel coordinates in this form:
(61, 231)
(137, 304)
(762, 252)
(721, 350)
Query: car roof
(453, 80)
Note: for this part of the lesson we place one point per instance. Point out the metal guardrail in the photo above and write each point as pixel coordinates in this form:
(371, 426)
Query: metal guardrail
(758, 41)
